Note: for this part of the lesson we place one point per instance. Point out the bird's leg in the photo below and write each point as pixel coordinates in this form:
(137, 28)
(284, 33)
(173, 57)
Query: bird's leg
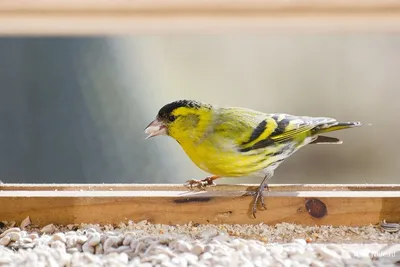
(201, 184)
(261, 188)
(258, 194)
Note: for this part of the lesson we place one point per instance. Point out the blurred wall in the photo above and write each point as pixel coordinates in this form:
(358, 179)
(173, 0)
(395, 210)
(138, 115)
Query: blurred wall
(74, 109)
(68, 114)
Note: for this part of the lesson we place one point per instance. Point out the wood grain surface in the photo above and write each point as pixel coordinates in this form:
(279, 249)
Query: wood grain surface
(89, 17)
(352, 205)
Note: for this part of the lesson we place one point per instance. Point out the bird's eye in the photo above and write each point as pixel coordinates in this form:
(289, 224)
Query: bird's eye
(171, 117)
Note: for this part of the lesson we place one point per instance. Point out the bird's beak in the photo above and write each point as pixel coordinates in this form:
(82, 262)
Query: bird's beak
(155, 128)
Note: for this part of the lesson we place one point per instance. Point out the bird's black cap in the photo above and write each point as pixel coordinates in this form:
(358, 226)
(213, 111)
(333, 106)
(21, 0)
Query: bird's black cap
(165, 111)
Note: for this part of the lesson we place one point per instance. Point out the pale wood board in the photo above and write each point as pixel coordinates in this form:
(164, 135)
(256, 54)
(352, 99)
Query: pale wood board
(88, 17)
(171, 204)
(220, 187)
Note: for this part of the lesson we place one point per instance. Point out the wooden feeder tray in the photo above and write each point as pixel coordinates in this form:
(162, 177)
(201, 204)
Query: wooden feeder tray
(351, 205)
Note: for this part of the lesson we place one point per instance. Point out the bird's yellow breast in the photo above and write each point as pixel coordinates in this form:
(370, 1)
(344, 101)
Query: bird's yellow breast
(212, 144)
(224, 162)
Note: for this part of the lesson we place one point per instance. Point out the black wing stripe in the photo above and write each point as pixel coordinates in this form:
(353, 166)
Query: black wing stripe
(277, 153)
(256, 132)
(260, 144)
(280, 128)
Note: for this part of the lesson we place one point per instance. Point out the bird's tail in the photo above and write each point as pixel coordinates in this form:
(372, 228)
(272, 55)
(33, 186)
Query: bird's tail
(330, 127)
(335, 126)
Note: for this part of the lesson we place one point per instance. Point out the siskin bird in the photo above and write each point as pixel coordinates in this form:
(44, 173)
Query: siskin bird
(237, 142)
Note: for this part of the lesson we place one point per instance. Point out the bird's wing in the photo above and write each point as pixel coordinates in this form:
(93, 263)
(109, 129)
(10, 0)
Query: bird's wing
(246, 130)
(280, 128)
(232, 126)
(289, 126)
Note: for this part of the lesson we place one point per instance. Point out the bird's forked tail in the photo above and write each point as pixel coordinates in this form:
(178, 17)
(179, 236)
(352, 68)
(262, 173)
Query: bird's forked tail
(330, 127)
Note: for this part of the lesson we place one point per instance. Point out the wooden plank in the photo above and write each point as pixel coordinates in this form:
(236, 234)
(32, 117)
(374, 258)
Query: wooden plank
(203, 194)
(180, 187)
(86, 17)
(223, 204)
(194, 6)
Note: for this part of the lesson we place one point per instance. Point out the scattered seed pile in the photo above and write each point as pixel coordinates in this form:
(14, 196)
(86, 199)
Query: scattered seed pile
(145, 244)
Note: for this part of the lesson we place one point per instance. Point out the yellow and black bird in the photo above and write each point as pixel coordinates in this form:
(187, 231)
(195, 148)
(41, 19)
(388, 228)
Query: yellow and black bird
(237, 142)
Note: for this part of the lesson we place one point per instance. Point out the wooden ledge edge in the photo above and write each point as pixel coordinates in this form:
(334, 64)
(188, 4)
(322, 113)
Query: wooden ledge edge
(180, 187)
(195, 194)
(200, 6)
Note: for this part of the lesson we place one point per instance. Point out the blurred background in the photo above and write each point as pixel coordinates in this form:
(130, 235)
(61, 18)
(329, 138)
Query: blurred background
(73, 110)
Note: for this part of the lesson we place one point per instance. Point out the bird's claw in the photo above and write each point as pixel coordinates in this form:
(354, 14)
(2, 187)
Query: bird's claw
(200, 184)
(258, 197)
(262, 202)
